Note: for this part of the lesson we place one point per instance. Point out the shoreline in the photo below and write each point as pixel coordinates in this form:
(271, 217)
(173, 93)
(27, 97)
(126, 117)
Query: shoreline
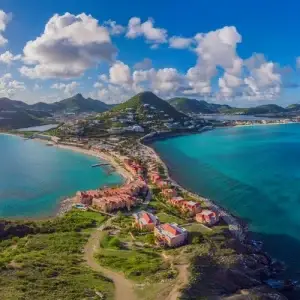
(235, 226)
(66, 204)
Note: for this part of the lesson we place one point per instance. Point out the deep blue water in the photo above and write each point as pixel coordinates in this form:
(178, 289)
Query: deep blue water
(35, 177)
(254, 172)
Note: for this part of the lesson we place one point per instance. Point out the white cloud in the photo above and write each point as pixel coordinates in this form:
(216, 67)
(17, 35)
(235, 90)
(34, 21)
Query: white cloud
(263, 83)
(145, 64)
(152, 34)
(68, 89)
(9, 87)
(120, 73)
(7, 57)
(36, 87)
(4, 20)
(178, 42)
(114, 28)
(69, 45)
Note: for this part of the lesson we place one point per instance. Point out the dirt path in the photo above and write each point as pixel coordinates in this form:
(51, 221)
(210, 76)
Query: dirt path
(123, 287)
(182, 279)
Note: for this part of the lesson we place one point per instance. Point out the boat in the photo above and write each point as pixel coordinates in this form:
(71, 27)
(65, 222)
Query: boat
(49, 144)
(99, 165)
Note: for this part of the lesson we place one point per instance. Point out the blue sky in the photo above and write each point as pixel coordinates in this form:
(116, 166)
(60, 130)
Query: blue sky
(223, 51)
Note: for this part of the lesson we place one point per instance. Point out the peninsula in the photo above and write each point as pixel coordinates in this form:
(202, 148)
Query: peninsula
(150, 237)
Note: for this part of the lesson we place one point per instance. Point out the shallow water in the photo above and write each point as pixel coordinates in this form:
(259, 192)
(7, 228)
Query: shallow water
(35, 177)
(254, 172)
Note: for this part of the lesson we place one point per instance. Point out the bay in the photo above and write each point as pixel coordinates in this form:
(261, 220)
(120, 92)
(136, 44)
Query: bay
(34, 177)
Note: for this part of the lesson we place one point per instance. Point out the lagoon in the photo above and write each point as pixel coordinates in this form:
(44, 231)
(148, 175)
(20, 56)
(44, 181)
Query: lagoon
(34, 178)
(254, 172)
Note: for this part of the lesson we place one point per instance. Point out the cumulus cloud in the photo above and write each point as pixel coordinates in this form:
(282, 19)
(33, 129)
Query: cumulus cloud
(7, 57)
(68, 88)
(145, 64)
(68, 46)
(120, 73)
(114, 28)
(4, 20)
(9, 87)
(152, 34)
(178, 42)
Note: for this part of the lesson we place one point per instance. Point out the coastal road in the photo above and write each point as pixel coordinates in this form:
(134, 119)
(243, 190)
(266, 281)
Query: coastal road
(123, 287)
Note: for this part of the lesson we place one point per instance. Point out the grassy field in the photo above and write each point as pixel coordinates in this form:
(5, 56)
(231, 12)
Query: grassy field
(43, 260)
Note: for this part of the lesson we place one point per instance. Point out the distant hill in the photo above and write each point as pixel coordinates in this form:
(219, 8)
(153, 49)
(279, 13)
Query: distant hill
(265, 109)
(76, 104)
(187, 105)
(138, 102)
(15, 114)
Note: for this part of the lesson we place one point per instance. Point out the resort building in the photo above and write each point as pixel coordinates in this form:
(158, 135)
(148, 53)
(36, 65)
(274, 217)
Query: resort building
(145, 220)
(110, 199)
(169, 193)
(191, 207)
(170, 234)
(207, 217)
(154, 177)
(176, 201)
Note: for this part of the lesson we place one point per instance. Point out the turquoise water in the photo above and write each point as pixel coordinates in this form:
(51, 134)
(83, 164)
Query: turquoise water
(254, 172)
(35, 177)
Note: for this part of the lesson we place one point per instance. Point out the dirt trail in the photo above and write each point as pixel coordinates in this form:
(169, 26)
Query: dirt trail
(182, 279)
(123, 287)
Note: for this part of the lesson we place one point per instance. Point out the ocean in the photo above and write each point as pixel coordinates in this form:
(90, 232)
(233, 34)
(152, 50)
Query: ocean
(253, 172)
(34, 177)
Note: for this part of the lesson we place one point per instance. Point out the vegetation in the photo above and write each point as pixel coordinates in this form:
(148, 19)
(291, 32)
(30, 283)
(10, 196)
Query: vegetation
(187, 105)
(43, 259)
(136, 103)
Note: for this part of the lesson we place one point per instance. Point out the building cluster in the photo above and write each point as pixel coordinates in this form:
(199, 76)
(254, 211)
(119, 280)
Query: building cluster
(167, 234)
(188, 207)
(111, 199)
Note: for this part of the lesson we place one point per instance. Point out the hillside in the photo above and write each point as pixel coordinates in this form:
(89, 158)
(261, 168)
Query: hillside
(76, 104)
(187, 105)
(140, 101)
(264, 109)
(15, 114)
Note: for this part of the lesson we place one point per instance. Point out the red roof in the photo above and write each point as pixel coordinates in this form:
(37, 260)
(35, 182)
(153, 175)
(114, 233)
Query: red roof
(169, 228)
(147, 218)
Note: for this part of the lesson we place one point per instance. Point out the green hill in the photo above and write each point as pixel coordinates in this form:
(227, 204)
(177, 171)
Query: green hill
(264, 109)
(15, 114)
(293, 108)
(76, 104)
(187, 105)
(145, 100)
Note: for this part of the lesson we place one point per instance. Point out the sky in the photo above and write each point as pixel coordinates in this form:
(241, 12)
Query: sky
(232, 52)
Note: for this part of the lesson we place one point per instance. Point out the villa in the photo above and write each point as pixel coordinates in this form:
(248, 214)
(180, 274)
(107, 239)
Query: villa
(110, 199)
(145, 220)
(207, 217)
(192, 207)
(169, 193)
(170, 234)
(176, 201)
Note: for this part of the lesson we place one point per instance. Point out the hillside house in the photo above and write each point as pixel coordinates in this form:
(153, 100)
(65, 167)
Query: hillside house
(191, 207)
(169, 193)
(170, 234)
(145, 220)
(207, 217)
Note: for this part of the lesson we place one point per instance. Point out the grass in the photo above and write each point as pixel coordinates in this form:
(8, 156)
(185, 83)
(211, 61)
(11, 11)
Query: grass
(140, 265)
(48, 264)
(166, 218)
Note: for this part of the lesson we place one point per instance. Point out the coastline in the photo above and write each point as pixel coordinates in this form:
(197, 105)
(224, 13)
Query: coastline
(236, 227)
(66, 204)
